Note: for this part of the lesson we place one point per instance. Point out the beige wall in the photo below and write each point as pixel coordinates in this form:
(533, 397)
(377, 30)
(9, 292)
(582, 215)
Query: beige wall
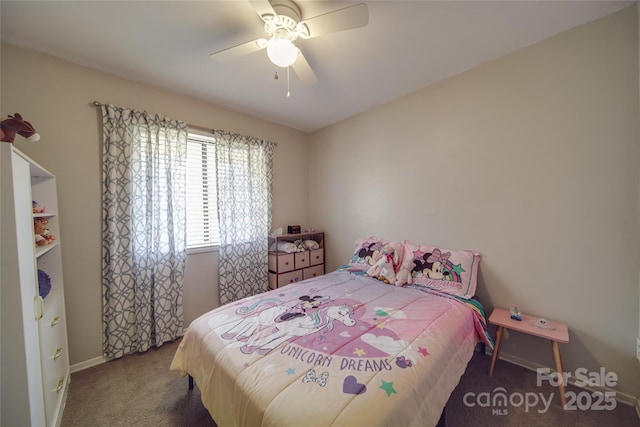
(533, 160)
(54, 95)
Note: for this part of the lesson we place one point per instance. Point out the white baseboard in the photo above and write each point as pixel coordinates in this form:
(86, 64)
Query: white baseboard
(99, 360)
(621, 397)
(87, 364)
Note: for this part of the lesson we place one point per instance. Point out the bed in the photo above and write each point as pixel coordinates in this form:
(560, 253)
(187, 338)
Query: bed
(329, 350)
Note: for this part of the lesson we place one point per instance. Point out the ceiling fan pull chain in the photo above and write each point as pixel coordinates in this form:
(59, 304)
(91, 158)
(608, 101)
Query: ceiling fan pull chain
(288, 90)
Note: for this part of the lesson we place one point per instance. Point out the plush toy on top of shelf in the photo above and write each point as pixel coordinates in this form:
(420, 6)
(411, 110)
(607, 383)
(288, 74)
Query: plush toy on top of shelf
(15, 124)
(42, 232)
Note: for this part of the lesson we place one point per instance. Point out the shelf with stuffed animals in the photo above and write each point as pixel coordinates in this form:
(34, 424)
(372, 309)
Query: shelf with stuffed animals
(43, 221)
(46, 226)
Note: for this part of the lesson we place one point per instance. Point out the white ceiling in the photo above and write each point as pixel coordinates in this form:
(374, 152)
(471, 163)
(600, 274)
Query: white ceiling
(406, 46)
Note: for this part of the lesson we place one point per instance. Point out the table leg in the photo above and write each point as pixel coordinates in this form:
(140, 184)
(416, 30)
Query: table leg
(496, 349)
(559, 369)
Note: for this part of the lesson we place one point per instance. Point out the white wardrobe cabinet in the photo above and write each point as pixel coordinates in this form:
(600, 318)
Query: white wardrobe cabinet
(34, 355)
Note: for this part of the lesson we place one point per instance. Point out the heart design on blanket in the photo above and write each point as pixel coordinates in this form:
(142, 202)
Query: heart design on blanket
(352, 386)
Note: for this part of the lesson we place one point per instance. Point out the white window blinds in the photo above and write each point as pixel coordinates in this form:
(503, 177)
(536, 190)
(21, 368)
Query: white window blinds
(202, 205)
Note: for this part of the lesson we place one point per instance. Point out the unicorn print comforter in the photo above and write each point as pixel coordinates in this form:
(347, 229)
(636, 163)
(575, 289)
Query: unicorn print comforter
(337, 350)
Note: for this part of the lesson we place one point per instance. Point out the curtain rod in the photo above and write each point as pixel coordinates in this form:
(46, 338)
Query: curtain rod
(200, 128)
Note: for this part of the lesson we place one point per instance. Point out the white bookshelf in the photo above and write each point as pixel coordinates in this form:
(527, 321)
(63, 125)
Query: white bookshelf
(34, 350)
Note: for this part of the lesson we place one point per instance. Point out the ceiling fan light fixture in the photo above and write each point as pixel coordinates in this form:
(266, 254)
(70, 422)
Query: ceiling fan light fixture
(282, 52)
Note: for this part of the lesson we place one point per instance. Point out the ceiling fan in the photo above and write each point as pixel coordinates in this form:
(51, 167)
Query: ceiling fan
(283, 24)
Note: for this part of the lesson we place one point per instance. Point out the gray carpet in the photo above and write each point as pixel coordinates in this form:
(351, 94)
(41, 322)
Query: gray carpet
(139, 390)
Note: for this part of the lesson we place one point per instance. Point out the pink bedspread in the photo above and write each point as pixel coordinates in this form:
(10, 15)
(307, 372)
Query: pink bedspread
(336, 350)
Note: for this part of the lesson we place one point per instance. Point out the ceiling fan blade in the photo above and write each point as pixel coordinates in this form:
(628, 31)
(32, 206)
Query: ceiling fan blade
(350, 17)
(304, 71)
(238, 51)
(262, 7)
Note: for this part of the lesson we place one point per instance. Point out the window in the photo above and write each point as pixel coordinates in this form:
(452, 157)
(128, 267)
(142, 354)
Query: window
(202, 206)
(153, 155)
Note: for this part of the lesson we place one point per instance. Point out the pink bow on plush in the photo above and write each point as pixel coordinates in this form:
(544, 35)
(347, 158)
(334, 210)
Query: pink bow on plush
(436, 256)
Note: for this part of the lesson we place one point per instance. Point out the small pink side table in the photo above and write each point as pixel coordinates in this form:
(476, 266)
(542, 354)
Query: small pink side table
(560, 334)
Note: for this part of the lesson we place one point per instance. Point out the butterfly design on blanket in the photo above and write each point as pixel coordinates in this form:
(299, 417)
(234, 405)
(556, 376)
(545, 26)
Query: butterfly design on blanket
(310, 376)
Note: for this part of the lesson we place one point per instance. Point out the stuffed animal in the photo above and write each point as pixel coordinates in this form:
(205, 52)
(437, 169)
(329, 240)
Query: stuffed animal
(403, 276)
(15, 124)
(384, 268)
(48, 236)
(44, 283)
(42, 232)
(36, 207)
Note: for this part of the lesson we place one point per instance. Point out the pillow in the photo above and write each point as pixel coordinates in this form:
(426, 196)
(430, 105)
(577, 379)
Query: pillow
(451, 271)
(368, 251)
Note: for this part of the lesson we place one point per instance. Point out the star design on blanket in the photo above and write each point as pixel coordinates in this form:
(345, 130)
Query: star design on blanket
(423, 351)
(458, 269)
(359, 351)
(388, 388)
(291, 371)
(382, 325)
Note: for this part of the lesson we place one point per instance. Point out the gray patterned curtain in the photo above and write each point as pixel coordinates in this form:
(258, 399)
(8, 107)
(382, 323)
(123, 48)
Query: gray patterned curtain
(244, 175)
(143, 229)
